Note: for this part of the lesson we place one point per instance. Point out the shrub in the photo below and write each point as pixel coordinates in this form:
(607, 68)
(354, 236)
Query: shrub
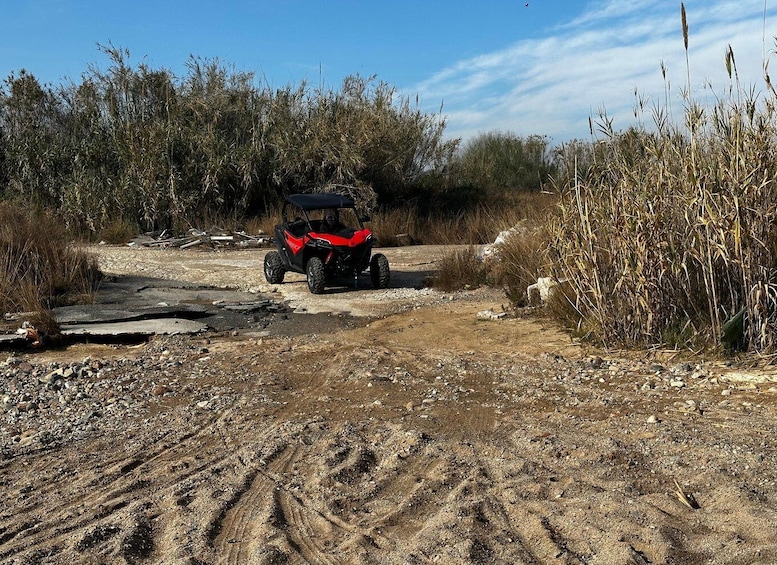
(504, 163)
(459, 269)
(38, 268)
(519, 261)
(138, 143)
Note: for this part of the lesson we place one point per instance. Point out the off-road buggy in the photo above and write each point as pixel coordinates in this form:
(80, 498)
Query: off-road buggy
(323, 237)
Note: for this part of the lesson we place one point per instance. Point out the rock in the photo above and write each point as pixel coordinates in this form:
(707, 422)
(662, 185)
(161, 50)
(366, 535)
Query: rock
(27, 406)
(135, 328)
(677, 383)
(25, 441)
(159, 390)
(491, 315)
(53, 376)
(542, 288)
(653, 420)
(595, 363)
(681, 368)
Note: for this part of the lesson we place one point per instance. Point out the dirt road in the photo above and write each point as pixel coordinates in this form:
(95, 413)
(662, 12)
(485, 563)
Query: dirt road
(411, 433)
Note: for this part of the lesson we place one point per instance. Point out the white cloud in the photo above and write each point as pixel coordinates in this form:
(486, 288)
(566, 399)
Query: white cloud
(552, 85)
(609, 9)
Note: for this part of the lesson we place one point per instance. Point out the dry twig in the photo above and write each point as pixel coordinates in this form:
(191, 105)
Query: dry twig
(685, 497)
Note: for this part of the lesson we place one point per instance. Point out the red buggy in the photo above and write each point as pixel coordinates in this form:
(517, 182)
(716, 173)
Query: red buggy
(322, 237)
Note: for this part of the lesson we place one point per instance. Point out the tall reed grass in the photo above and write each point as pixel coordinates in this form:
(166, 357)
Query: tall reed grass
(140, 145)
(676, 232)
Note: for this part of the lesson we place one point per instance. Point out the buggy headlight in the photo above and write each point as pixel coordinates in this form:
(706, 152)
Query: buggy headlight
(323, 243)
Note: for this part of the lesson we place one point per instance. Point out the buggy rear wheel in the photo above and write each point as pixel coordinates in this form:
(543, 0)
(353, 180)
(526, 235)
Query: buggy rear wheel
(273, 268)
(379, 271)
(316, 275)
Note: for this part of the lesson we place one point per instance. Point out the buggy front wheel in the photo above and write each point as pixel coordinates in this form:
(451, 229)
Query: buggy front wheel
(316, 275)
(273, 268)
(379, 271)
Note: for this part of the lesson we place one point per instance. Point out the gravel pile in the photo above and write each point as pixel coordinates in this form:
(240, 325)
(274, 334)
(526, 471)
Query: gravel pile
(53, 403)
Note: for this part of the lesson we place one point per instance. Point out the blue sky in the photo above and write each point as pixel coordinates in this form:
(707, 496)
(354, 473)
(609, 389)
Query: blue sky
(540, 69)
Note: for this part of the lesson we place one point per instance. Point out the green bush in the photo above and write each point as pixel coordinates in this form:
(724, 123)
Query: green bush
(503, 163)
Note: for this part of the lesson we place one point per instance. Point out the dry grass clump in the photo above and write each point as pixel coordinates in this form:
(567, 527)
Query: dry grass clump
(38, 268)
(477, 226)
(519, 261)
(513, 264)
(393, 228)
(118, 231)
(676, 232)
(264, 224)
(460, 269)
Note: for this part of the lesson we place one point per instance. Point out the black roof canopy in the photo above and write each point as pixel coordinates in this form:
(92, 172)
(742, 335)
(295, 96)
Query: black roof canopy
(320, 201)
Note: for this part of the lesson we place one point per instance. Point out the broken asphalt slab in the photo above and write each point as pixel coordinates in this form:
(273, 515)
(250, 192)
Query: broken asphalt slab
(107, 313)
(160, 326)
(141, 306)
(132, 308)
(12, 340)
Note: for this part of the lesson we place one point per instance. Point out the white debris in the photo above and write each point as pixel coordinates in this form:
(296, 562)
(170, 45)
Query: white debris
(491, 251)
(491, 315)
(543, 287)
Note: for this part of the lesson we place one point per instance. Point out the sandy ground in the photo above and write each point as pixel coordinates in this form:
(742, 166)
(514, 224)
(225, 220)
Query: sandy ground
(407, 432)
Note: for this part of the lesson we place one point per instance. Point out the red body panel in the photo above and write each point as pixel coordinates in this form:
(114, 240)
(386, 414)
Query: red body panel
(358, 238)
(295, 243)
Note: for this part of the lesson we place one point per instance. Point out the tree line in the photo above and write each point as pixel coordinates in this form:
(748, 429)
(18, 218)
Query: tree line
(139, 144)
